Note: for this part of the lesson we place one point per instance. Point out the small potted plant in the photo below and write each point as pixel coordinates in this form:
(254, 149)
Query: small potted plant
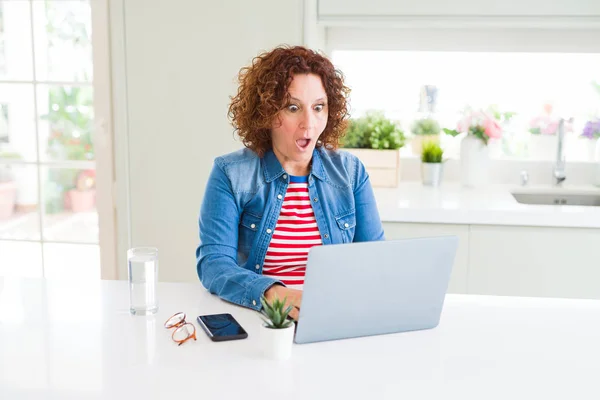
(591, 132)
(277, 333)
(480, 126)
(424, 130)
(432, 164)
(375, 140)
(83, 197)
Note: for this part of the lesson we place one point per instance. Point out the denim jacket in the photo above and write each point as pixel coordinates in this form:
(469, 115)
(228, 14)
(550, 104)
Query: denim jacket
(241, 206)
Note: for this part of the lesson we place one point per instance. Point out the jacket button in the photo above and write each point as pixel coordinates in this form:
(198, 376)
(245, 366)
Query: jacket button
(284, 176)
(269, 231)
(279, 196)
(326, 236)
(257, 266)
(252, 226)
(253, 302)
(346, 225)
(315, 199)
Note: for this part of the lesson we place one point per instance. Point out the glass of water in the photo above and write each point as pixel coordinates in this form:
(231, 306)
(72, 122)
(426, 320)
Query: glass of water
(143, 279)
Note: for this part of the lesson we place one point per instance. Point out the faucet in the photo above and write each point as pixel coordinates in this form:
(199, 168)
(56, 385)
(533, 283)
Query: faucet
(524, 178)
(560, 164)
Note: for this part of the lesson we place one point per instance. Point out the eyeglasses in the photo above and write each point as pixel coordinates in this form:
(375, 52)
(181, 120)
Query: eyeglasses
(183, 329)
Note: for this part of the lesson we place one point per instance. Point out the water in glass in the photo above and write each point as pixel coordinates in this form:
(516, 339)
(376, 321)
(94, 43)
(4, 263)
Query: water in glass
(143, 278)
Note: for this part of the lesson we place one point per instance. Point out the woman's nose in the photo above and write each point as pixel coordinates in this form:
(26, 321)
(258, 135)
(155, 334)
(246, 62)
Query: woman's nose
(308, 120)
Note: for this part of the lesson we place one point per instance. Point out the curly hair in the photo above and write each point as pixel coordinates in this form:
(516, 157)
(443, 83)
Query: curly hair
(263, 92)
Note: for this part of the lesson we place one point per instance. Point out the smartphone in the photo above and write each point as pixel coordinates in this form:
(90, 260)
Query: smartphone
(221, 327)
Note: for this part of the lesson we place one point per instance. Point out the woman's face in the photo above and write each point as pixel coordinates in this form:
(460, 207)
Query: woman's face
(297, 127)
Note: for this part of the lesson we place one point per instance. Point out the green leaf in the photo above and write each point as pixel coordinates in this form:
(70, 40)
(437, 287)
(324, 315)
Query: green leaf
(287, 311)
(451, 132)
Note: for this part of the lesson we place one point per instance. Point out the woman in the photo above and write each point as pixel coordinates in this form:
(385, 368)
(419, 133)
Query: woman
(289, 189)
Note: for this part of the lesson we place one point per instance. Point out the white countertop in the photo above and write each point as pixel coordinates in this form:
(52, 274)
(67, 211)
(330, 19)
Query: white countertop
(61, 341)
(490, 205)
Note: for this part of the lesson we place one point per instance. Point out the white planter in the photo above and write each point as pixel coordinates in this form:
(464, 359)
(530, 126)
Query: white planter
(277, 343)
(431, 173)
(383, 166)
(474, 162)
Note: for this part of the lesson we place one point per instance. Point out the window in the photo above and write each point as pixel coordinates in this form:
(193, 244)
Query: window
(537, 87)
(48, 209)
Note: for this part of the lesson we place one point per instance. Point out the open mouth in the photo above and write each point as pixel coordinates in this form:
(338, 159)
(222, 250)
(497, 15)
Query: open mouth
(303, 143)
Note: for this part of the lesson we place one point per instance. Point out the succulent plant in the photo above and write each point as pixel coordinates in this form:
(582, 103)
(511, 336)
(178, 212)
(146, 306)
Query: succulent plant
(276, 313)
(431, 153)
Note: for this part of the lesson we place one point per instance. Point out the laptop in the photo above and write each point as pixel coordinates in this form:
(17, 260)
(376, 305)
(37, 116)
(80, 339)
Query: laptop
(373, 288)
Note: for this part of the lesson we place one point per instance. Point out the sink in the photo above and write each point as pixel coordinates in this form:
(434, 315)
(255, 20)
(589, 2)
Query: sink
(558, 196)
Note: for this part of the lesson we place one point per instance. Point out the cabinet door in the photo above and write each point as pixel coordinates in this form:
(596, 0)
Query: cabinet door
(532, 261)
(458, 279)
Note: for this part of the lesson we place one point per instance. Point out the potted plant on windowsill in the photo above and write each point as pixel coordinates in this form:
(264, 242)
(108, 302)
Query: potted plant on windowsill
(480, 126)
(376, 141)
(83, 197)
(432, 164)
(277, 333)
(424, 130)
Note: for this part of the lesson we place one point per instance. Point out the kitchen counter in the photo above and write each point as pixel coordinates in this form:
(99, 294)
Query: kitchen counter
(491, 205)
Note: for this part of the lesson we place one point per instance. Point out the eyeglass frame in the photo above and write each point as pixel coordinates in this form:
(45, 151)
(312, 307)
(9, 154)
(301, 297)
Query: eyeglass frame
(180, 325)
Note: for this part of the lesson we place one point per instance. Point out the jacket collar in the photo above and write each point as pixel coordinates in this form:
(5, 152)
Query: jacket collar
(272, 167)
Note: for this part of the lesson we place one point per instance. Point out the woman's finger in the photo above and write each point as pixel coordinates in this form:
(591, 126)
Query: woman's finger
(294, 314)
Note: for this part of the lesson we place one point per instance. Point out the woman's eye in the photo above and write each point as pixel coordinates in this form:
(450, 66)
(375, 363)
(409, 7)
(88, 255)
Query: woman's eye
(293, 108)
(319, 107)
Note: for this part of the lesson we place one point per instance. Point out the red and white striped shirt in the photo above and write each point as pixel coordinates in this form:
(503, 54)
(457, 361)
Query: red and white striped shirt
(295, 233)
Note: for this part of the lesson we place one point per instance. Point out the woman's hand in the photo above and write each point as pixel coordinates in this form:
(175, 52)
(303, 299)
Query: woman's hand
(294, 298)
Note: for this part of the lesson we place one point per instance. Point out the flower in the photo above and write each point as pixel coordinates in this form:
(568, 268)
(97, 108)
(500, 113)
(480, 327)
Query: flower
(492, 128)
(591, 130)
(482, 124)
(547, 124)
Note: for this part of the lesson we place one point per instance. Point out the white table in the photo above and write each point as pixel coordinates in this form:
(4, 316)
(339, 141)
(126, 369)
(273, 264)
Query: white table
(62, 341)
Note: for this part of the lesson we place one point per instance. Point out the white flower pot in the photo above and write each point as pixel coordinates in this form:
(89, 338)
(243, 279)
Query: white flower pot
(277, 343)
(431, 173)
(474, 162)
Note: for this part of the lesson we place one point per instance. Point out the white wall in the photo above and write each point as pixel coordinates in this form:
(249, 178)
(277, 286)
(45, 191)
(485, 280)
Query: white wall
(180, 59)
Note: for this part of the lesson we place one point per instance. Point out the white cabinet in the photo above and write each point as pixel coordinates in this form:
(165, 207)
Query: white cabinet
(517, 260)
(458, 279)
(468, 8)
(533, 261)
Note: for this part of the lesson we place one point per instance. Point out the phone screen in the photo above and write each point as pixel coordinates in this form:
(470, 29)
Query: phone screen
(221, 327)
